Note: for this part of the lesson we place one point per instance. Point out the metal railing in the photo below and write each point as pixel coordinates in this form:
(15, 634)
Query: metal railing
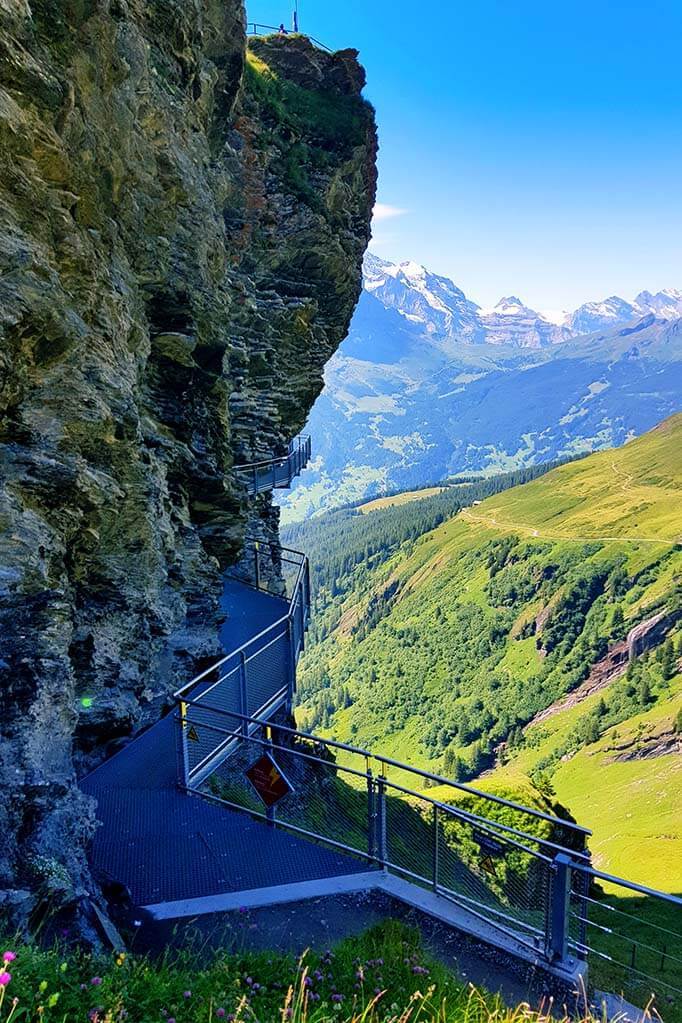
(522, 876)
(494, 859)
(255, 680)
(517, 873)
(631, 936)
(276, 473)
(255, 28)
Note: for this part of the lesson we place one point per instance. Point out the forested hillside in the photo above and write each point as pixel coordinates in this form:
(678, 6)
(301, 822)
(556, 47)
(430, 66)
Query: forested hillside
(343, 544)
(529, 641)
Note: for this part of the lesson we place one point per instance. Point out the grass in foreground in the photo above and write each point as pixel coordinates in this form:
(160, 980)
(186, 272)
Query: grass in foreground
(384, 975)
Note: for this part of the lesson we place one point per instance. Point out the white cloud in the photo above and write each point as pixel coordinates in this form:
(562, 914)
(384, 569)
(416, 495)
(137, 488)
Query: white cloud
(382, 211)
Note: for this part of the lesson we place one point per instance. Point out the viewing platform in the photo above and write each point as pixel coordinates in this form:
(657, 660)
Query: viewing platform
(185, 832)
(164, 844)
(188, 829)
(275, 473)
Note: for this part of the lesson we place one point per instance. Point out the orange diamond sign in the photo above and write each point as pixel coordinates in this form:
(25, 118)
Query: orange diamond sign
(268, 780)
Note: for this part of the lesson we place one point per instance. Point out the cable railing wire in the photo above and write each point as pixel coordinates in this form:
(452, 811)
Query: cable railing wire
(631, 941)
(629, 969)
(621, 912)
(527, 875)
(628, 951)
(255, 28)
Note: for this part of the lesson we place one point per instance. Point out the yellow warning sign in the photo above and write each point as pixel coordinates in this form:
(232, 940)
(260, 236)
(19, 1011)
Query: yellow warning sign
(193, 734)
(488, 865)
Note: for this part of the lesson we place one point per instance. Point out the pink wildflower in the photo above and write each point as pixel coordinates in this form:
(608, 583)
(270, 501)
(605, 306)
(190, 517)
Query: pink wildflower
(220, 1013)
(96, 981)
(5, 978)
(9, 957)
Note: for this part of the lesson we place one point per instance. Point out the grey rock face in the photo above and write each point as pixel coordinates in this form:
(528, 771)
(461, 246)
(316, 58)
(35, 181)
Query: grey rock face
(180, 254)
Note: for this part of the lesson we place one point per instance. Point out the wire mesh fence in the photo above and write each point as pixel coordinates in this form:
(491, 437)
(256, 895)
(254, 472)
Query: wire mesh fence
(275, 473)
(343, 797)
(273, 569)
(510, 880)
(255, 680)
(523, 884)
(631, 937)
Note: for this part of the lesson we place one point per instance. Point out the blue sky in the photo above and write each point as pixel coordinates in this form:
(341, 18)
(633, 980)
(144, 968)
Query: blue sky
(535, 148)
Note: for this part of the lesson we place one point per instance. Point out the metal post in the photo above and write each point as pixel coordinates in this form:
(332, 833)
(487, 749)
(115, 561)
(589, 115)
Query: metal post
(182, 747)
(371, 816)
(291, 682)
(243, 694)
(308, 600)
(382, 843)
(257, 561)
(435, 850)
(301, 608)
(270, 812)
(559, 895)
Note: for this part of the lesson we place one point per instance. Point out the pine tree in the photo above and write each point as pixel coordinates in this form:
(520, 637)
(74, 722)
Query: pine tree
(591, 730)
(618, 622)
(644, 692)
(668, 665)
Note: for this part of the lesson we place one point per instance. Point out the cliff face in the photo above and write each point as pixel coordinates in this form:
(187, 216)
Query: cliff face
(182, 225)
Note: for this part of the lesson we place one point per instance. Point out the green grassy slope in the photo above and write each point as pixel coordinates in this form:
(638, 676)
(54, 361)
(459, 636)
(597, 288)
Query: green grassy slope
(443, 654)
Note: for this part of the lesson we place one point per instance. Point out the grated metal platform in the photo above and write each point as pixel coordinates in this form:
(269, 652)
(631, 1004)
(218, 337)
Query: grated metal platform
(164, 845)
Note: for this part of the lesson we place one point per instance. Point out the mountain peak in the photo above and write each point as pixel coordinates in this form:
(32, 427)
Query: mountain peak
(412, 269)
(510, 305)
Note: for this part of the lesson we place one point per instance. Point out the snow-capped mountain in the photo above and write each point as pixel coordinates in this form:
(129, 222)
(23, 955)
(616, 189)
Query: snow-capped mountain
(511, 322)
(666, 304)
(602, 315)
(446, 314)
(428, 384)
(423, 297)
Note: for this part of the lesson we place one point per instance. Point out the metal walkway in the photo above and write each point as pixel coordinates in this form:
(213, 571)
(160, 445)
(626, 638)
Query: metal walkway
(165, 845)
(275, 473)
(184, 832)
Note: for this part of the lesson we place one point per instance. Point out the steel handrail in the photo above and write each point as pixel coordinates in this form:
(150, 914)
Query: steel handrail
(441, 780)
(368, 756)
(179, 694)
(274, 29)
(623, 883)
(294, 447)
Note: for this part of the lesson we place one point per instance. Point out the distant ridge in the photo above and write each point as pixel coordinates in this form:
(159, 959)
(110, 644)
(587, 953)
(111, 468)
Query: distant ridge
(428, 385)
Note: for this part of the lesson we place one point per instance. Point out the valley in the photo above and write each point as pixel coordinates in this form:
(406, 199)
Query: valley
(529, 643)
(428, 386)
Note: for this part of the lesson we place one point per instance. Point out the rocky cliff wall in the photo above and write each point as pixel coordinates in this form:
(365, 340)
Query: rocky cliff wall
(182, 224)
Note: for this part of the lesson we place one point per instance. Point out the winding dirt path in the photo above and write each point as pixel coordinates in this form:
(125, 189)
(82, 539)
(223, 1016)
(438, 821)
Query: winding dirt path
(626, 477)
(524, 527)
